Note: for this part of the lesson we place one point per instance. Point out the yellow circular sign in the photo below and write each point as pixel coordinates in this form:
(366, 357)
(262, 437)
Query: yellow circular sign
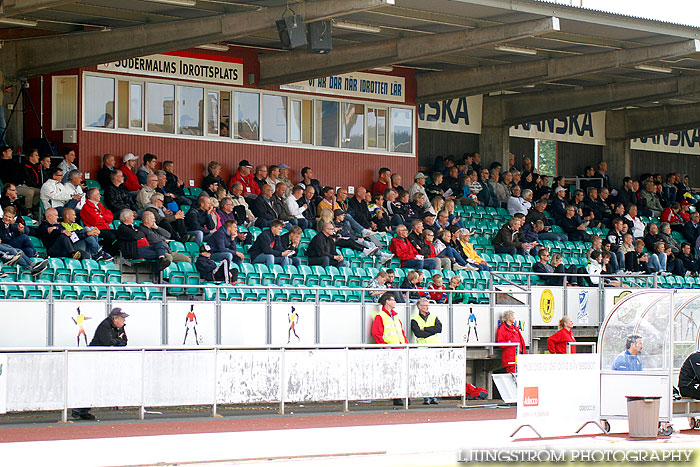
(547, 305)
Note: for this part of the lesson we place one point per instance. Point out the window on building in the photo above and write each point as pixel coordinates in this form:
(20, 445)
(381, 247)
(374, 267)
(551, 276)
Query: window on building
(161, 107)
(225, 114)
(546, 157)
(212, 113)
(136, 106)
(376, 128)
(99, 102)
(301, 122)
(401, 129)
(190, 110)
(327, 129)
(274, 112)
(352, 126)
(247, 115)
(65, 103)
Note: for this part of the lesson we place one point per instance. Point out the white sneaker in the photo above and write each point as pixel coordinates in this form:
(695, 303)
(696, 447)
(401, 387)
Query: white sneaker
(367, 233)
(386, 257)
(370, 251)
(469, 267)
(458, 267)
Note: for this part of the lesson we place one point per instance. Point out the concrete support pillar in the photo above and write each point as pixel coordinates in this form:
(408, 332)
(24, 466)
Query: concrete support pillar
(619, 157)
(494, 141)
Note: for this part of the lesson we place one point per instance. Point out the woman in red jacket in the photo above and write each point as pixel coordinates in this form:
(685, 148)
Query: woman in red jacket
(508, 331)
(557, 341)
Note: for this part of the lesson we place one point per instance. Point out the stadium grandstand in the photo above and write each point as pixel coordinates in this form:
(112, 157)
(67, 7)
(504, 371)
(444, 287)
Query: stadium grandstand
(327, 198)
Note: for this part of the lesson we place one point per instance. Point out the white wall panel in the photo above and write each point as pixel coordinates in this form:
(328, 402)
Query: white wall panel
(200, 332)
(23, 323)
(35, 381)
(243, 324)
(248, 376)
(377, 374)
(104, 378)
(315, 375)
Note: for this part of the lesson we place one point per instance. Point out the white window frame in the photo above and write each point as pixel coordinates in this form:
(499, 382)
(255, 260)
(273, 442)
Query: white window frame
(54, 80)
(290, 95)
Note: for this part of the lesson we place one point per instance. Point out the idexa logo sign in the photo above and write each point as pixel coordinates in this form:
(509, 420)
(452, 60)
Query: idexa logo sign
(462, 115)
(588, 128)
(531, 397)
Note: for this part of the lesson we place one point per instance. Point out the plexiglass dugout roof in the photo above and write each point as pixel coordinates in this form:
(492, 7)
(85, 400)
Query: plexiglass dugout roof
(646, 313)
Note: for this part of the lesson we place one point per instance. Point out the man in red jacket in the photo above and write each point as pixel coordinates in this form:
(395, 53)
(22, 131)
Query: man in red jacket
(244, 175)
(131, 182)
(94, 214)
(404, 250)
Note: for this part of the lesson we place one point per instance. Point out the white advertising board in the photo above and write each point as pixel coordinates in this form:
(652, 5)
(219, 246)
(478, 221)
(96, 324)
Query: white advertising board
(143, 324)
(182, 65)
(558, 393)
(23, 323)
(75, 322)
(679, 142)
(462, 114)
(472, 324)
(293, 323)
(547, 305)
(583, 305)
(191, 323)
(243, 324)
(588, 128)
(362, 85)
(3, 383)
(340, 323)
(616, 386)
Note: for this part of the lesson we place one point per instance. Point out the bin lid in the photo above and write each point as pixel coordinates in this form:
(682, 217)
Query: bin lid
(641, 398)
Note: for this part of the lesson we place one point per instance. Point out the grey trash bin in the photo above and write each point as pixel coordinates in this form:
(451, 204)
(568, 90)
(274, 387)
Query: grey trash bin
(643, 416)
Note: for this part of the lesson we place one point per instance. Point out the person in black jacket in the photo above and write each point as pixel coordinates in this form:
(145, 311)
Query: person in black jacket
(213, 180)
(104, 174)
(574, 227)
(134, 245)
(200, 220)
(321, 250)
(546, 270)
(358, 209)
(223, 244)
(59, 242)
(109, 333)
(262, 207)
(268, 248)
(691, 229)
(174, 185)
(117, 196)
(210, 271)
(689, 376)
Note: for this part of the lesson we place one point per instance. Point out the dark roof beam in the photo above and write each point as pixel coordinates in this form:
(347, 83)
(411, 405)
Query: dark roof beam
(531, 107)
(281, 68)
(45, 55)
(482, 80)
(651, 121)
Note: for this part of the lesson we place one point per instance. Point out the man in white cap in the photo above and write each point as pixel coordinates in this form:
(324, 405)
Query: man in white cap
(131, 182)
(418, 186)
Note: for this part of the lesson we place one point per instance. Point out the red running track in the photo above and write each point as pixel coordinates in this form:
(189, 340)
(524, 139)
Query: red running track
(90, 430)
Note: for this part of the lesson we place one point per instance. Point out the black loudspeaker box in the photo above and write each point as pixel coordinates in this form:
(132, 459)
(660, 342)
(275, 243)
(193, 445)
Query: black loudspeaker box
(320, 37)
(291, 31)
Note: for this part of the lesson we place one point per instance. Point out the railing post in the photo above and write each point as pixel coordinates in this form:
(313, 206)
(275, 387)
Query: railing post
(363, 318)
(283, 388)
(216, 382)
(464, 378)
(64, 414)
(217, 307)
(317, 328)
(347, 379)
(164, 316)
(142, 409)
(408, 382)
(50, 318)
(450, 316)
(268, 317)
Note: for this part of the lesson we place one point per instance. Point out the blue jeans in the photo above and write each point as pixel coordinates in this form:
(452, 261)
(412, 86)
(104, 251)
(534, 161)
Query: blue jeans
(152, 252)
(555, 237)
(23, 261)
(453, 254)
(301, 222)
(24, 243)
(270, 260)
(420, 264)
(221, 255)
(88, 244)
(655, 265)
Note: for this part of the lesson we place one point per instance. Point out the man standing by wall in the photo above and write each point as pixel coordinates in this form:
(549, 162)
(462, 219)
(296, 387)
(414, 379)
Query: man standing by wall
(426, 327)
(109, 333)
(387, 327)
